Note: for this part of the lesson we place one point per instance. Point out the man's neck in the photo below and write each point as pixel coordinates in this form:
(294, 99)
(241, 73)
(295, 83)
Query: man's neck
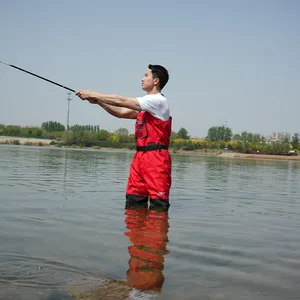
(153, 91)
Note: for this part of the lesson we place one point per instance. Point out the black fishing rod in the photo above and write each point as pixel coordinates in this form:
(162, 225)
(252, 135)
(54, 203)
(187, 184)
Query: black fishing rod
(38, 76)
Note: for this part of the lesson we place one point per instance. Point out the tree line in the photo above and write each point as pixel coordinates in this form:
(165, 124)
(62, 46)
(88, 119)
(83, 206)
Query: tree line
(218, 138)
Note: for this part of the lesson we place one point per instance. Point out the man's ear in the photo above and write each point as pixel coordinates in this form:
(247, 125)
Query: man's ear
(156, 81)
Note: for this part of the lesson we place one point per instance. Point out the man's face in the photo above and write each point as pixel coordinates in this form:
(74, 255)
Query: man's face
(148, 82)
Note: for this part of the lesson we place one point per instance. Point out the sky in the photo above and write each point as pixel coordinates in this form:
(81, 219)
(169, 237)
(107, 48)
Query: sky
(233, 62)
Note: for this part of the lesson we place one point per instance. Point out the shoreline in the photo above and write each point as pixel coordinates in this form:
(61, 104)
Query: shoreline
(260, 156)
(24, 141)
(47, 142)
(240, 155)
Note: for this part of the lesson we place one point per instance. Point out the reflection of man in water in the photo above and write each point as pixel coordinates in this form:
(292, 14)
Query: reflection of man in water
(148, 233)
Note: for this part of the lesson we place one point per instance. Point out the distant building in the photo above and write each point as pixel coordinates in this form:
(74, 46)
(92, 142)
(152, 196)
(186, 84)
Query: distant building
(280, 136)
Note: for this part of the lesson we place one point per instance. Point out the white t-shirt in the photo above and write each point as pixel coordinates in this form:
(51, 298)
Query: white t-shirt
(156, 104)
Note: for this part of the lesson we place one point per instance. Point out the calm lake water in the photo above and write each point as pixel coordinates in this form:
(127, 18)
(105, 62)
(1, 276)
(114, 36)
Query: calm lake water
(233, 230)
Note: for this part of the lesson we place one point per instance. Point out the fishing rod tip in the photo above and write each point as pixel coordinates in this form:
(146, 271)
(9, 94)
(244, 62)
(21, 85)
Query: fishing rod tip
(3, 62)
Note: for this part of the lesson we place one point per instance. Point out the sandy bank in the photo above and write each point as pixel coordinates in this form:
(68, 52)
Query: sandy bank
(259, 156)
(23, 141)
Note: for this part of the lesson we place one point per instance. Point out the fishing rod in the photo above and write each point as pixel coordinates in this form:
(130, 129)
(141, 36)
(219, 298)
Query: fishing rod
(38, 76)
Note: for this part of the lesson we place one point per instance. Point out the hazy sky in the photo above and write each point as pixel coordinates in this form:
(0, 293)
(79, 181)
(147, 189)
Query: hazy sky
(229, 61)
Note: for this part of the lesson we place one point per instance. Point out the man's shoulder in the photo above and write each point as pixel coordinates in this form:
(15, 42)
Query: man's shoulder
(154, 97)
(156, 104)
(153, 100)
(158, 97)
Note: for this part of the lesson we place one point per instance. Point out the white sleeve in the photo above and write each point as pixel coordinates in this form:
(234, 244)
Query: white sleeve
(156, 105)
(149, 103)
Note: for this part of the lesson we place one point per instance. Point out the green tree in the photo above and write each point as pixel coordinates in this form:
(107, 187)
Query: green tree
(244, 136)
(69, 137)
(102, 135)
(237, 137)
(257, 138)
(183, 133)
(295, 140)
(212, 134)
(51, 126)
(122, 133)
(219, 133)
(285, 140)
(228, 134)
(280, 148)
(13, 130)
(251, 137)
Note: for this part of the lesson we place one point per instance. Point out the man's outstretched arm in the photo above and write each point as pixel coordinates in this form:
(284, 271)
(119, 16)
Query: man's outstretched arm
(110, 99)
(119, 112)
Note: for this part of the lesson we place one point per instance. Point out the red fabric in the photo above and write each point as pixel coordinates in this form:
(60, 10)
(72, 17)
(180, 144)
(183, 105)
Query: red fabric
(149, 129)
(150, 171)
(148, 234)
(150, 174)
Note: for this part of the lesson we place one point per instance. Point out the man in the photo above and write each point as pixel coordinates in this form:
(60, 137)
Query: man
(150, 170)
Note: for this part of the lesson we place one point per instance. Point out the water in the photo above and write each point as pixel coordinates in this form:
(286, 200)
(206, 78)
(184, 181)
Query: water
(232, 232)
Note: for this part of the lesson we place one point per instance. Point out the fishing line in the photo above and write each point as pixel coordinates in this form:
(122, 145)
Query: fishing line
(18, 68)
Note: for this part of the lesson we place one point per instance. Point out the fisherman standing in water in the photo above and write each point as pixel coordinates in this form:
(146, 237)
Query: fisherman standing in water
(150, 170)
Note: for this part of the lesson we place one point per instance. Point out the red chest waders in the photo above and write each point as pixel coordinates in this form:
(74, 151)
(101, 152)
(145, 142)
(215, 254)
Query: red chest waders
(150, 170)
